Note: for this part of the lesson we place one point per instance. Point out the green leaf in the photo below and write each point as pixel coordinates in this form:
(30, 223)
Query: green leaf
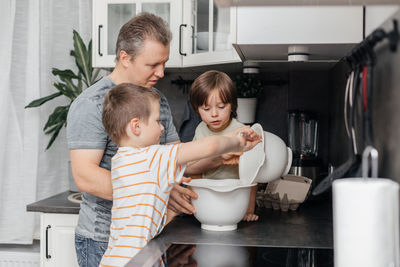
(70, 89)
(40, 101)
(69, 74)
(89, 58)
(62, 87)
(95, 75)
(54, 136)
(79, 87)
(58, 116)
(248, 85)
(81, 57)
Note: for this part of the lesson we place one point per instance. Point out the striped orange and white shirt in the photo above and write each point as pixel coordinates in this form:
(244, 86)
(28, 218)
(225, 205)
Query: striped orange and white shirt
(142, 180)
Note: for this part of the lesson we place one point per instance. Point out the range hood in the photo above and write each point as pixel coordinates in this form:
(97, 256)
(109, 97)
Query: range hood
(282, 52)
(297, 33)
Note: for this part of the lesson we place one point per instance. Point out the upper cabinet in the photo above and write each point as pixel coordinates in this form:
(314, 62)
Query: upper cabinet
(202, 33)
(208, 33)
(110, 15)
(272, 33)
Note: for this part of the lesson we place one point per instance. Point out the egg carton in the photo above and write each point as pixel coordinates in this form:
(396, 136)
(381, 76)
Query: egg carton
(284, 194)
(273, 201)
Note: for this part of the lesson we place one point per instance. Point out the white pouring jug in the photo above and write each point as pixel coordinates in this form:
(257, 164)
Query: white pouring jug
(268, 161)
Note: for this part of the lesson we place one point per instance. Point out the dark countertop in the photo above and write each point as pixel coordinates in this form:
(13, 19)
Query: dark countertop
(55, 204)
(308, 227)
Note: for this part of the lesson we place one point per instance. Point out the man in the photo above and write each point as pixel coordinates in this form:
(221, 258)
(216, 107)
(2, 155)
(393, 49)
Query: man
(141, 53)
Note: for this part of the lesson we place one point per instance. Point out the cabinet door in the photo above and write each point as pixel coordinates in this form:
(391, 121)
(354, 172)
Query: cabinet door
(110, 15)
(57, 240)
(208, 33)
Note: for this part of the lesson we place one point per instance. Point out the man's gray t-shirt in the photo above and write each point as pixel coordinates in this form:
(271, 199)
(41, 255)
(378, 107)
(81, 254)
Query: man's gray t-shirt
(85, 130)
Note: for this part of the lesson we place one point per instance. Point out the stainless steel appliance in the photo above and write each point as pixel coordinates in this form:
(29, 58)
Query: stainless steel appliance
(303, 133)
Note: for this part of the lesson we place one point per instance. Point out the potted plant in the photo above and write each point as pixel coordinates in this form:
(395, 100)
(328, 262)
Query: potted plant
(70, 85)
(248, 86)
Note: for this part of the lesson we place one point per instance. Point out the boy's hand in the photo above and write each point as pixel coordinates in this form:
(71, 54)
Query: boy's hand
(248, 138)
(250, 217)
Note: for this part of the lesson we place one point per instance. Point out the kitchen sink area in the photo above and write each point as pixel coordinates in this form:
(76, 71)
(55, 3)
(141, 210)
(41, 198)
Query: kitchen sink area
(75, 197)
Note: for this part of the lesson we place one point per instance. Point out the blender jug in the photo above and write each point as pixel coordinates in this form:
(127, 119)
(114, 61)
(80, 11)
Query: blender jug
(303, 136)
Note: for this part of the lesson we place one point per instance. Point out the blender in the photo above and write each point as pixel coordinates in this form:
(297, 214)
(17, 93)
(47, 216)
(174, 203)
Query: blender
(303, 133)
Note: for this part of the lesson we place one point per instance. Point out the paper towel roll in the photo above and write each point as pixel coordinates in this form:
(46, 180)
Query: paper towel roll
(366, 222)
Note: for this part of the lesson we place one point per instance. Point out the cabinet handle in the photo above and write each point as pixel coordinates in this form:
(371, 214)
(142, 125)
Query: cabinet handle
(47, 242)
(99, 30)
(192, 39)
(180, 39)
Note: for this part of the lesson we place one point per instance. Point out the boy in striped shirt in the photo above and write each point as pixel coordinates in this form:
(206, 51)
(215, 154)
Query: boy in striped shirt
(143, 172)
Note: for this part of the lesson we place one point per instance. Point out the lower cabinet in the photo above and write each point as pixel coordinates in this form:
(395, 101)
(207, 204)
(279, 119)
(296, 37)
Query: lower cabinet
(57, 240)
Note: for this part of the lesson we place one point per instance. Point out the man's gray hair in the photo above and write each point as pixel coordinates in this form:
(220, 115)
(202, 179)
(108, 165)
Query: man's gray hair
(143, 26)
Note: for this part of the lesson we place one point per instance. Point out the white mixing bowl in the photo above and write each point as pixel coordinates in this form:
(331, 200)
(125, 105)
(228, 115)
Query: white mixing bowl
(221, 203)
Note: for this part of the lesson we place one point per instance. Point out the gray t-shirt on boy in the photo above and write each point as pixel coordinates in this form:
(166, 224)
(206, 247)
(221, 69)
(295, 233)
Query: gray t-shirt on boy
(85, 130)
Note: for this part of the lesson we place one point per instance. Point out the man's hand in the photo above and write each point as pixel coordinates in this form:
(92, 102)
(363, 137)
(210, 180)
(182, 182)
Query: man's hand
(179, 200)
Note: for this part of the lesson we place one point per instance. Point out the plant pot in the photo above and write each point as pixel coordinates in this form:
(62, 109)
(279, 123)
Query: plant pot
(246, 110)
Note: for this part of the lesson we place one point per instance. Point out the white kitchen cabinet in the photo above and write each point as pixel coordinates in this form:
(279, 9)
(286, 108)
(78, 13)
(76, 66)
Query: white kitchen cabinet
(208, 33)
(328, 32)
(110, 15)
(57, 240)
(202, 33)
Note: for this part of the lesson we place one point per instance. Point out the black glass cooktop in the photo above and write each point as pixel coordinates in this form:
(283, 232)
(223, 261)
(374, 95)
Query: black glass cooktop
(241, 256)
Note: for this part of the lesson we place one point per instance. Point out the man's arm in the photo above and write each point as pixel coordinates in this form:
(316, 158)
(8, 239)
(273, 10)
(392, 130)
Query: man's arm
(88, 175)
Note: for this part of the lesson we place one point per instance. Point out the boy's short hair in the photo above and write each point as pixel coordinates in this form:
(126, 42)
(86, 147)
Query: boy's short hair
(209, 81)
(133, 34)
(123, 103)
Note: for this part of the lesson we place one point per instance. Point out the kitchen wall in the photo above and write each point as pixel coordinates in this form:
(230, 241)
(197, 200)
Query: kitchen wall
(385, 110)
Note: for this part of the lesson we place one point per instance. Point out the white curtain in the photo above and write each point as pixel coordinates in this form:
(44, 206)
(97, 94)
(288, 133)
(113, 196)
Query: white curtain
(36, 35)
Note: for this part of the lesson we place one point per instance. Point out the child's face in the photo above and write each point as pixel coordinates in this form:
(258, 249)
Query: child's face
(215, 113)
(151, 131)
